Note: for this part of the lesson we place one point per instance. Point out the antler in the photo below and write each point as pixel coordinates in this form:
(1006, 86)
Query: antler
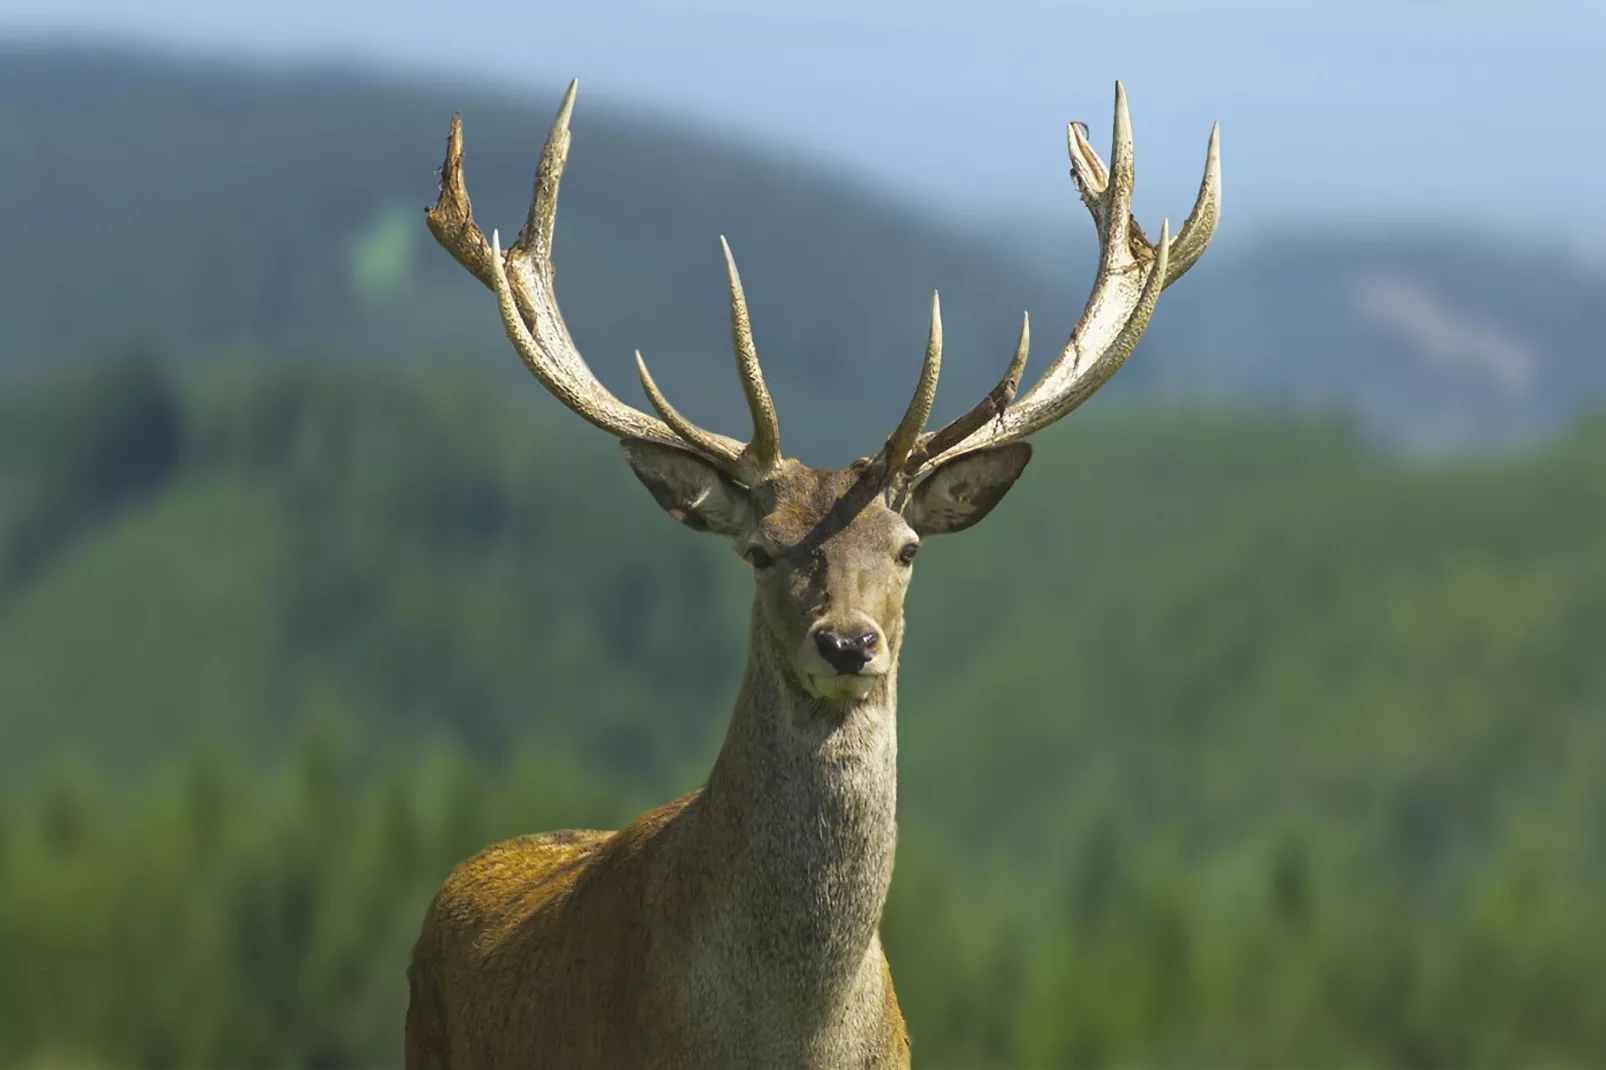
(522, 281)
(1132, 272)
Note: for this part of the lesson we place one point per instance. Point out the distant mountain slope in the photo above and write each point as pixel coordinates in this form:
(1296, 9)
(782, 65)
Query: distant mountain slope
(1433, 339)
(207, 207)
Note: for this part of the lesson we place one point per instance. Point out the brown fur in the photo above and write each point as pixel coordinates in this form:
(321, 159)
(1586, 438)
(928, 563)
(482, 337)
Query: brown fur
(736, 926)
(581, 897)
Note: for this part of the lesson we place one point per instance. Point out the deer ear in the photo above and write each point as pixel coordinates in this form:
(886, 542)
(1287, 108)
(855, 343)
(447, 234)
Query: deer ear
(688, 488)
(961, 492)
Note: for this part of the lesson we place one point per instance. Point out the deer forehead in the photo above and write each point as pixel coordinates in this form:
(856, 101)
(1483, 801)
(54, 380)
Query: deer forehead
(825, 511)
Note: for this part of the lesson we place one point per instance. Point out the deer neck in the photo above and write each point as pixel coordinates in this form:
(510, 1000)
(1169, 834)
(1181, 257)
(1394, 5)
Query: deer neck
(800, 808)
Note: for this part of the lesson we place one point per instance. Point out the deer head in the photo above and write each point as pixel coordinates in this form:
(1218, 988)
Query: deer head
(832, 550)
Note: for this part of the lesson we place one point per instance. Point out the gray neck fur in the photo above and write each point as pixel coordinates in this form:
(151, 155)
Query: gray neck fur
(800, 816)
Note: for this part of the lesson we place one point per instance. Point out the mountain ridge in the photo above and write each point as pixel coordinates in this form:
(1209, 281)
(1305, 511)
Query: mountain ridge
(206, 209)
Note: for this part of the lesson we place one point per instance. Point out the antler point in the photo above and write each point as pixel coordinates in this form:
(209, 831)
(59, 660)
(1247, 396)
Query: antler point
(566, 109)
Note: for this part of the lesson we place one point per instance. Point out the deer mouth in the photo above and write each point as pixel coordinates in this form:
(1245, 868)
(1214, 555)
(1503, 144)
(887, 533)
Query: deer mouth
(843, 686)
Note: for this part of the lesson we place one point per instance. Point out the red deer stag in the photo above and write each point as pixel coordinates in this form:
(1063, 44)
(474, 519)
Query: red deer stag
(738, 925)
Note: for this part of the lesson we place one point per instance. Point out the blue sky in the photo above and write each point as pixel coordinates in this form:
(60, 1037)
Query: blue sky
(1476, 113)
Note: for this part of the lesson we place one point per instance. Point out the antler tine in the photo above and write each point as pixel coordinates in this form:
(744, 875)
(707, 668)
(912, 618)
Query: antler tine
(535, 237)
(764, 451)
(1132, 272)
(701, 440)
(1122, 177)
(1196, 230)
(903, 439)
(938, 442)
(522, 282)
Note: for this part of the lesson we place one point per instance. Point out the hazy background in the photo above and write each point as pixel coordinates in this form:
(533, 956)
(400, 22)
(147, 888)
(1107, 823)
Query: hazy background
(1262, 726)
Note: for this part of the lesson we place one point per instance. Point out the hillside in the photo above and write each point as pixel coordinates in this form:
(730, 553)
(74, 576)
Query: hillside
(407, 559)
(206, 208)
(1435, 339)
(1194, 661)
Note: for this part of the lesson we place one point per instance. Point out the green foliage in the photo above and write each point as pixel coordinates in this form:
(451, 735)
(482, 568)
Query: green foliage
(1225, 741)
(418, 553)
(76, 449)
(230, 918)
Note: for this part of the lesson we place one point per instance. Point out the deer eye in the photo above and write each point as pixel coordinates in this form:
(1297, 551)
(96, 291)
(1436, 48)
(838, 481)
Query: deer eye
(906, 555)
(757, 557)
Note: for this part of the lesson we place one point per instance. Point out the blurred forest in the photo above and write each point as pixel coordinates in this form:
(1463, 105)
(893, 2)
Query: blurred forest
(1231, 739)
(1226, 740)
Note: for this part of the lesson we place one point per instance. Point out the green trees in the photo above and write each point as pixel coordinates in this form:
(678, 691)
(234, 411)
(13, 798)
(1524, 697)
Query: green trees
(219, 915)
(1225, 742)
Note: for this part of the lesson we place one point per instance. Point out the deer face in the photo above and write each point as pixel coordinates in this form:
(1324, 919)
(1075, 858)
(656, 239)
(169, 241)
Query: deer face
(831, 553)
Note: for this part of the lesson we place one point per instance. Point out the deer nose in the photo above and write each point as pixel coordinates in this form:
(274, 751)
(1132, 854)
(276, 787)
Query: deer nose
(847, 654)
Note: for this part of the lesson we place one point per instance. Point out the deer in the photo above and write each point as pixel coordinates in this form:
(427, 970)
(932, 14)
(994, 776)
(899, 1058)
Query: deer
(739, 925)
